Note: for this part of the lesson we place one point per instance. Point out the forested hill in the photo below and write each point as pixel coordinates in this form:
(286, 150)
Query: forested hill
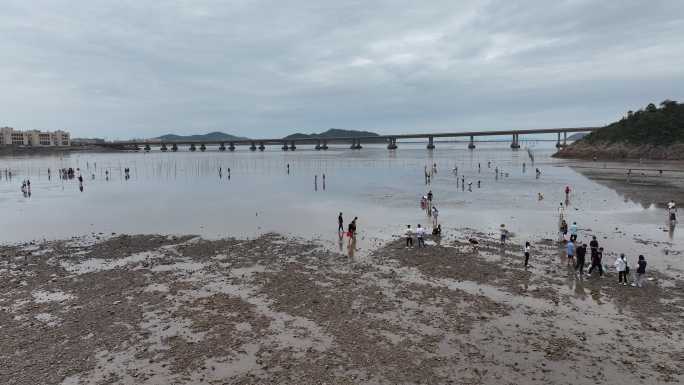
(653, 125)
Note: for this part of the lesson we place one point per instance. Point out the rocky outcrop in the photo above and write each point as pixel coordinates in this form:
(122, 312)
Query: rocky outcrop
(616, 151)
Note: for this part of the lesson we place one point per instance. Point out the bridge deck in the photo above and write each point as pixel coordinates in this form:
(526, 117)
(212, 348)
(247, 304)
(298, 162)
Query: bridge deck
(366, 139)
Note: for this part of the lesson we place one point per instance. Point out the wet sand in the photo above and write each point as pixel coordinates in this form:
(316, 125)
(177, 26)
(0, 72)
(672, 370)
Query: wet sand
(150, 309)
(645, 184)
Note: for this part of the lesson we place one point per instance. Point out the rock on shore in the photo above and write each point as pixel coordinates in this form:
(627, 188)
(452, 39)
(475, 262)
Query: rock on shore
(586, 150)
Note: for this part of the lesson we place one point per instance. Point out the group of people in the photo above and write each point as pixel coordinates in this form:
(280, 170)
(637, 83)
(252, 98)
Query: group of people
(431, 210)
(26, 188)
(351, 229)
(470, 183)
(420, 233)
(576, 252)
(430, 173)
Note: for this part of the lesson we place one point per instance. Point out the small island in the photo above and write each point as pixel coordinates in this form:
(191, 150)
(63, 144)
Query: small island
(333, 133)
(655, 133)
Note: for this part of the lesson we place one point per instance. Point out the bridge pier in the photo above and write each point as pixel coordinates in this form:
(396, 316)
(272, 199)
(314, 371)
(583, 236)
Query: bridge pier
(192, 147)
(515, 144)
(285, 147)
(558, 144)
(292, 146)
(261, 146)
(325, 145)
(565, 138)
(356, 144)
(392, 145)
(252, 147)
(471, 145)
(147, 148)
(174, 147)
(222, 147)
(163, 147)
(317, 147)
(203, 147)
(431, 143)
(231, 146)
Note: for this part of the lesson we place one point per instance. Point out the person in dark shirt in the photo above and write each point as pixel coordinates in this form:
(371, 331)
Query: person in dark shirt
(579, 265)
(596, 262)
(640, 272)
(437, 231)
(351, 232)
(594, 245)
(352, 228)
(340, 223)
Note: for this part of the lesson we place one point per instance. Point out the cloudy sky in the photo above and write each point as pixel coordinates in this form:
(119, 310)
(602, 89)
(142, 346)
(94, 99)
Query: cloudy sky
(137, 68)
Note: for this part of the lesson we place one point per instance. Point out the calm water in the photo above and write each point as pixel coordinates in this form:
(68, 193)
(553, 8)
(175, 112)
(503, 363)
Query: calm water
(182, 193)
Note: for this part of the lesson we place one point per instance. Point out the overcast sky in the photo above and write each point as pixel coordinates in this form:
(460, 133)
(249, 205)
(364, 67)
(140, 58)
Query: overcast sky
(136, 68)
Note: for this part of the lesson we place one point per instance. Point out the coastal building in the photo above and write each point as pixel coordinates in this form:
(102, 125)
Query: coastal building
(33, 138)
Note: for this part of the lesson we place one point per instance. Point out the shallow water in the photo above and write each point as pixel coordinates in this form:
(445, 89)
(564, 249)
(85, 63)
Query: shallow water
(182, 193)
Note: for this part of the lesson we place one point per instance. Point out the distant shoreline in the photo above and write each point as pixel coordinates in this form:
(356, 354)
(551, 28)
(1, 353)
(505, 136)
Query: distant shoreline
(620, 151)
(17, 150)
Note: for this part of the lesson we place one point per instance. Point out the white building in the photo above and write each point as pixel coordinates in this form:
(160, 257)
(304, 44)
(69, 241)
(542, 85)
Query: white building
(33, 138)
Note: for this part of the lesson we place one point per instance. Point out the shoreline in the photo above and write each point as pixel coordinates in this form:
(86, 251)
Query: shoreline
(620, 151)
(181, 309)
(51, 150)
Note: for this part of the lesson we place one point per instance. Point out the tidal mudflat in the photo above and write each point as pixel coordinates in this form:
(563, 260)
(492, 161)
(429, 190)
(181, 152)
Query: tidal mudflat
(267, 293)
(151, 309)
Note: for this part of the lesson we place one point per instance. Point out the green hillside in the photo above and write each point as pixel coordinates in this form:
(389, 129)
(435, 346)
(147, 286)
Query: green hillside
(662, 125)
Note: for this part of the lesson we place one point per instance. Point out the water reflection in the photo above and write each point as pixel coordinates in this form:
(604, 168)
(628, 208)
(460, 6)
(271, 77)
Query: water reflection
(215, 194)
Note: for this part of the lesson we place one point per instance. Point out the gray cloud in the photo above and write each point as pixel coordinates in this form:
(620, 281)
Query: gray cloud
(139, 68)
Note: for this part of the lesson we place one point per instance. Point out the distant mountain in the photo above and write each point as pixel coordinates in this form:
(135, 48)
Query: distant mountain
(333, 133)
(212, 136)
(577, 136)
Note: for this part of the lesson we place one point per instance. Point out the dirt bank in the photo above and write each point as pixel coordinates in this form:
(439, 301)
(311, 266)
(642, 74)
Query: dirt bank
(272, 310)
(615, 151)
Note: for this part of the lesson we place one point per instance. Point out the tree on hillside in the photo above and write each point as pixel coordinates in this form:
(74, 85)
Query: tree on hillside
(653, 125)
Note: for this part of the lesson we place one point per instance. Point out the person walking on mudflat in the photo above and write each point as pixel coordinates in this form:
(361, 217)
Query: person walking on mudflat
(621, 266)
(573, 231)
(435, 214)
(504, 234)
(640, 272)
(351, 231)
(409, 236)
(570, 251)
(563, 230)
(581, 253)
(596, 262)
(527, 253)
(340, 223)
(420, 236)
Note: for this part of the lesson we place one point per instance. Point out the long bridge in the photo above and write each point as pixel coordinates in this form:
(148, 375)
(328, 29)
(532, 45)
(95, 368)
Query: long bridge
(322, 143)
